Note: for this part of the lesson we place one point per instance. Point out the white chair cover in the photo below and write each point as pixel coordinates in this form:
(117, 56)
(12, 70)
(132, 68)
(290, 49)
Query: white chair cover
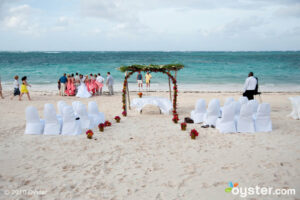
(237, 108)
(60, 107)
(226, 124)
(75, 106)
(245, 122)
(228, 100)
(85, 120)
(200, 109)
(295, 114)
(98, 117)
(52, 124)
(71, 126)
(34, 125)
(254, 105)
(263, 121)
(243, 100)
(212, 113)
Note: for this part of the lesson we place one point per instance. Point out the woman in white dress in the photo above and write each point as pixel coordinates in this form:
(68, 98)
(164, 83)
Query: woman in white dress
(82, 89)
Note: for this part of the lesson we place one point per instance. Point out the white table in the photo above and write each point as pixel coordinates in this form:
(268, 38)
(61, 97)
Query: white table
(164, 104)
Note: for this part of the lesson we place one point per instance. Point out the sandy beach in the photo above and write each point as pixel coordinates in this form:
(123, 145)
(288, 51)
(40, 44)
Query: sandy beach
(146, 156)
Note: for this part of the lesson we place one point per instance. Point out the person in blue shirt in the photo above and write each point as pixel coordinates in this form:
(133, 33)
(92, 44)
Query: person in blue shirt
(63, 80)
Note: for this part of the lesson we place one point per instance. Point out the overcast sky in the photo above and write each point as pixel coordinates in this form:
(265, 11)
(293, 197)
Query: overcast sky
(168, 25)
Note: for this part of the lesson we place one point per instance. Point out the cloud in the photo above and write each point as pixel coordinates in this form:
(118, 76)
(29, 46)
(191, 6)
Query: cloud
(20, 18)
(289, 11)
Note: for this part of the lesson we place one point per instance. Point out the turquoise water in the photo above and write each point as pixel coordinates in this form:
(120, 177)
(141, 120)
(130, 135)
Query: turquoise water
(206, 69)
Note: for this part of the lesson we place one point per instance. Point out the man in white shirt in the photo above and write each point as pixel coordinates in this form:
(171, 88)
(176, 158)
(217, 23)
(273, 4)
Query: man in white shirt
(100, 81)
(250, 86)
(110, 83)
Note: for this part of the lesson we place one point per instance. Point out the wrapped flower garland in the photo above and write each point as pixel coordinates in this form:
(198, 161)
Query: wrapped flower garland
(152, 68)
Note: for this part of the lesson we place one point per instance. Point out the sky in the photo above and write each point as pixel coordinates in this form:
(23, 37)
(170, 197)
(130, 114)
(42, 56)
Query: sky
(152, 25)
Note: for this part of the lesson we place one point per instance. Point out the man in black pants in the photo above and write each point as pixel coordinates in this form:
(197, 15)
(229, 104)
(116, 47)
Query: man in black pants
(250, 86)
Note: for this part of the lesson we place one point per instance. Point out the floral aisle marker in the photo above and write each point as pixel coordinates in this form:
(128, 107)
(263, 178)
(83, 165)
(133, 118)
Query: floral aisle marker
(165, 69)
(89, 134)
(101, 127)
(183, 126)
(117, 118)
(194, 133)
(107, 123)
(140, 94)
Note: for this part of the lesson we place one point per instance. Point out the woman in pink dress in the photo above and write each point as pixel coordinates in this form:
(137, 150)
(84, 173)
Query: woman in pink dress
(93, 85)
(70, 91)
(87, 83)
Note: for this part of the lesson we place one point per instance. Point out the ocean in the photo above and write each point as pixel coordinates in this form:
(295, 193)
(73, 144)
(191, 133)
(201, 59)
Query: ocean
(204, 71)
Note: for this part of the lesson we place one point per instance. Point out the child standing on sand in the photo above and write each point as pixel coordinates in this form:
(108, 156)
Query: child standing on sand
(16, 87)
(24, 89)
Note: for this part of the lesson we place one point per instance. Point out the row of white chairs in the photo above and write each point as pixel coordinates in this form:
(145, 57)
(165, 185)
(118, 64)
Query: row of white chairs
(234, 116)
(295, 101)
(70, 120)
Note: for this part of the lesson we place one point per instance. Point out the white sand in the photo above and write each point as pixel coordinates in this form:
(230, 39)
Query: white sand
(146, 156)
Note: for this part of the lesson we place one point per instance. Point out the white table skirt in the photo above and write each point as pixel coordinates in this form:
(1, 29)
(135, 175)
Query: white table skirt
(164, 104)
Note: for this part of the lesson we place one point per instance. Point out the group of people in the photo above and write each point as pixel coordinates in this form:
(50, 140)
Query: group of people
(17, 91)
(84, 86)
(139, 79)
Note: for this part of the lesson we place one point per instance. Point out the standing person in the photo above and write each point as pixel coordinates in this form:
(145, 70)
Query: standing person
(77, 82)
(148, 78)
(110, 83)
(1, 89)
(100, 83)
(16, 87)
(24, 89)
(139, 79)
(63, 81)
(250, 85)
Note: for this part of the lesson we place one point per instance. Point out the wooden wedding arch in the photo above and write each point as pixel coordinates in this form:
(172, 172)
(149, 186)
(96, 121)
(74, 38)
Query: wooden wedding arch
(165, 69)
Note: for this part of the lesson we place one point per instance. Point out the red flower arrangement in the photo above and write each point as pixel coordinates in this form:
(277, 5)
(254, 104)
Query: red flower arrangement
(107, 123)
(194, 134)
(175, 118)
(89, 133)
(101, 127)
(124, 113)
(117, 118)
(140, 94)
(183, 126)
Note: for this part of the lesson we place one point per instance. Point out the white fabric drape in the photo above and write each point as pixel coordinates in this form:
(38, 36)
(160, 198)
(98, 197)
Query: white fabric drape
(34, 125)
(295, 101)
(164, 104)
(263, 121)
(212, 113)
(71, 126)
(226, 124)
(98, 117)
(52, 124)
(200, 109)
(245, 122)
(243, 100)
(85, 120)
(254, 105)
